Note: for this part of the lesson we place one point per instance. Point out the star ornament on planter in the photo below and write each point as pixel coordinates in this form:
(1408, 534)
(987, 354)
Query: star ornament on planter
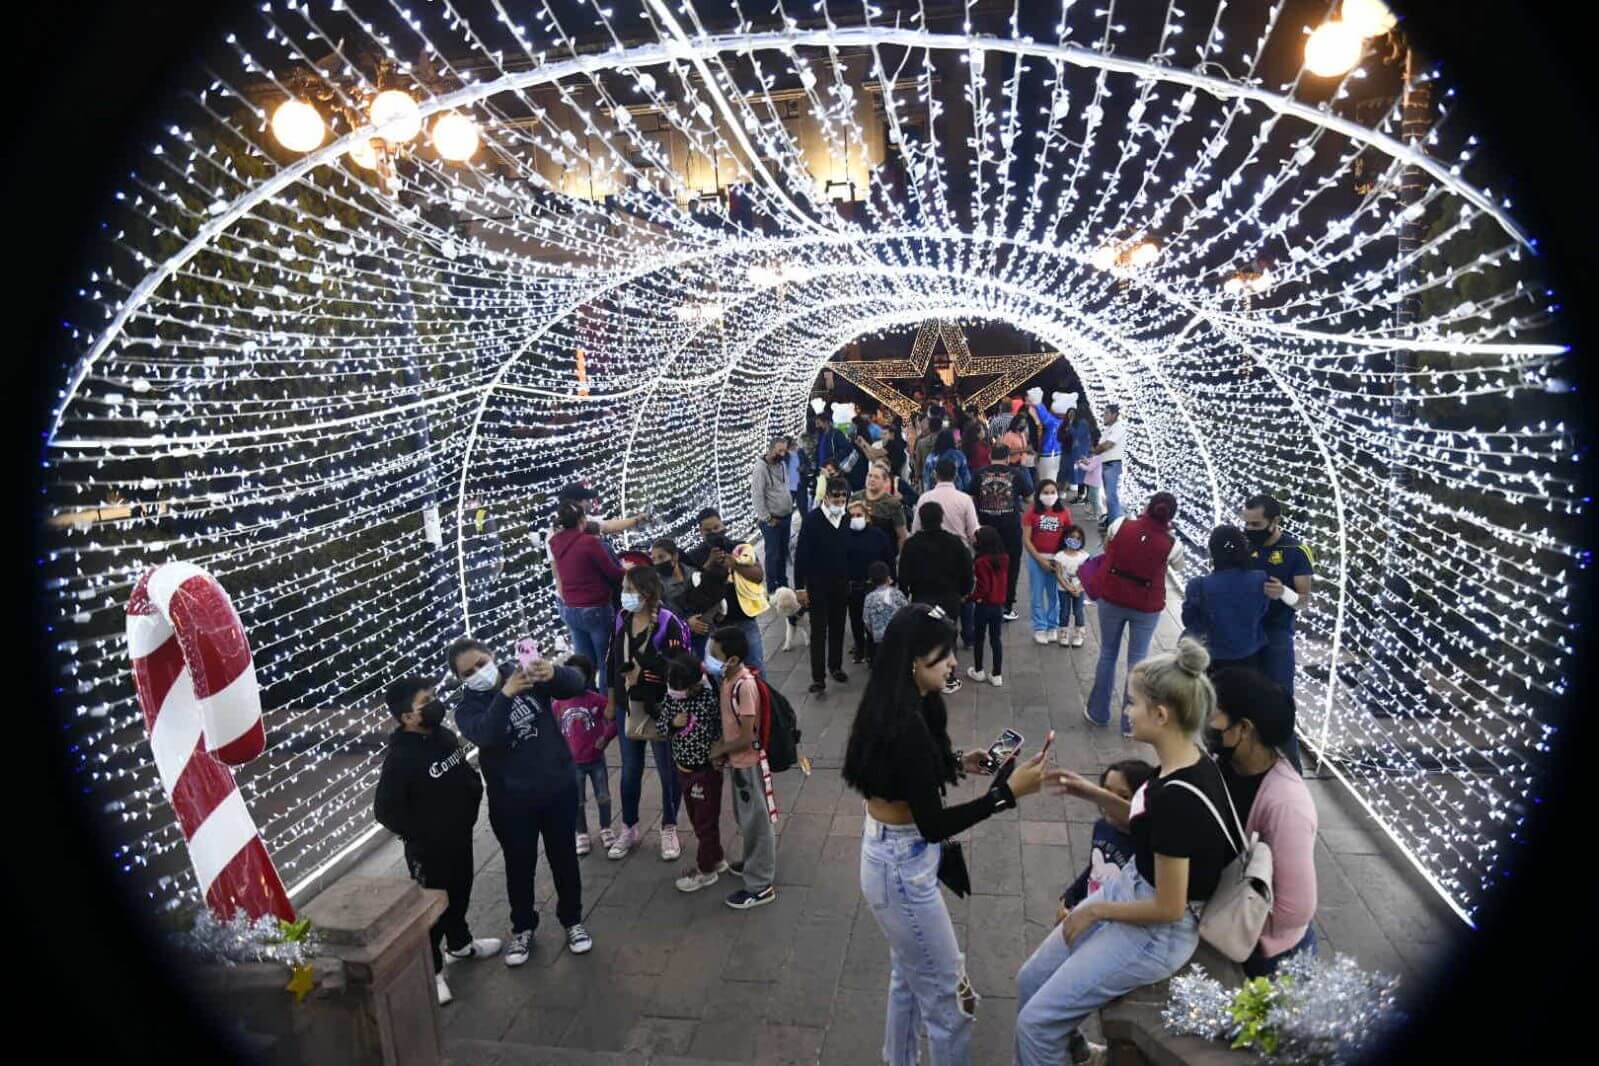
(876, 376)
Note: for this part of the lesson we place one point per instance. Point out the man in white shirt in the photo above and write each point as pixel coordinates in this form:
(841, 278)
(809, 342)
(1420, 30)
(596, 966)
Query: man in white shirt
(960, 514)
(1110, 452)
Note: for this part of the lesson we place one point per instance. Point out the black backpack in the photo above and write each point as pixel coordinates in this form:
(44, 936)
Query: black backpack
(778, 734)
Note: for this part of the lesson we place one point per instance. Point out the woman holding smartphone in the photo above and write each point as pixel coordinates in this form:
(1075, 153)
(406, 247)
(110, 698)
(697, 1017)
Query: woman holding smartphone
(1140, 927)
(899, 758)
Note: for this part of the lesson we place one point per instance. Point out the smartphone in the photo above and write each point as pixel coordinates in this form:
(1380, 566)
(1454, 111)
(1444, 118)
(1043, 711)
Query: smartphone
(1049, 738)
(527, 653)
(1008, 744)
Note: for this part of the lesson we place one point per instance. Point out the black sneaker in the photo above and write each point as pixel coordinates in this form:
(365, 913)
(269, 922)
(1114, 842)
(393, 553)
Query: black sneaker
(743, 899)
(1010, 614)
(841, 677)
(736, 867)
(857, 657)
(818, 686)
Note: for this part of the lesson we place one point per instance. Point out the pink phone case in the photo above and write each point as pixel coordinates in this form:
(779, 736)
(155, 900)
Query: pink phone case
(527, 652)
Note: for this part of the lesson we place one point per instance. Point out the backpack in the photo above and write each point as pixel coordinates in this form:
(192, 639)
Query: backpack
(778, 731)
(996, 491)
(1134, 573)
(663, 618)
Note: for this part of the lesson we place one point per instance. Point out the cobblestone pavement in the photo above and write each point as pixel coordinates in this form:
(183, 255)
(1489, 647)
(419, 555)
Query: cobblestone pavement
(682, 978)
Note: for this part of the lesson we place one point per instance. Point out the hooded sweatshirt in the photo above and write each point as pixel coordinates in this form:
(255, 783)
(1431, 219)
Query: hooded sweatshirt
(428, 793)
(523, 756)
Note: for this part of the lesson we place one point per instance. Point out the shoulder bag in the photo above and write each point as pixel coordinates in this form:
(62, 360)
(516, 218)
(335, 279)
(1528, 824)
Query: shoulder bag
(1236, 912)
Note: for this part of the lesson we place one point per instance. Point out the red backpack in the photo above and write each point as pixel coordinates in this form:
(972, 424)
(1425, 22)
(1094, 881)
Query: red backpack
(1134, 570)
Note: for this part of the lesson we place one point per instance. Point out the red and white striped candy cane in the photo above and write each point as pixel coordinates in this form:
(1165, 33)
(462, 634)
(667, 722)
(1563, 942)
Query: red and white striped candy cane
(202, 707)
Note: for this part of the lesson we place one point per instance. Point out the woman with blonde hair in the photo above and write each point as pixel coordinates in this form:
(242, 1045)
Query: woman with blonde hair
(1140, 927)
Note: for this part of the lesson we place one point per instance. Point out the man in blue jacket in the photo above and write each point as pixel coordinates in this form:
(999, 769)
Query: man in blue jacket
(1048, 438)
(532, 789)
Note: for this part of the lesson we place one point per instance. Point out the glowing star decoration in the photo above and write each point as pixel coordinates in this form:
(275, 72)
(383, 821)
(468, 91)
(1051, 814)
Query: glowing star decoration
(298, 370)
(874, 375)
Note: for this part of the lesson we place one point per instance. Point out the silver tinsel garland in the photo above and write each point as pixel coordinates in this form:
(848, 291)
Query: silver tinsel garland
(242, 939)
(1325, 1011)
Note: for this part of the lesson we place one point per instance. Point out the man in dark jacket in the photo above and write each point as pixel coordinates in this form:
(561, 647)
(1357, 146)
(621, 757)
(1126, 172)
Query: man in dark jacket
(821, 581)
(532, 787)
(935, 568)
(428, 795)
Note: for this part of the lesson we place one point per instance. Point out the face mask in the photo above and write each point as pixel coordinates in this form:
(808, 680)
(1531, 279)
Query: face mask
(677, 693)
(1074, 543)
(1047, 499)
(631, 601)
(713, 664)
(857, 523)
(1214, 743)
(484, 678)
(1258, 537)
(835, 513)
(664, 569)
(433, 714)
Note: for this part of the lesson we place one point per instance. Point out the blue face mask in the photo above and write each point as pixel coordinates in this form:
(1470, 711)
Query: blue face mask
(713, 664)
(1074, 543)
(631, 601)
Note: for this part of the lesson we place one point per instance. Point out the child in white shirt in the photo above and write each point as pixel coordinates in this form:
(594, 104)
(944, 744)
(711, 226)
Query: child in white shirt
(1068, 560)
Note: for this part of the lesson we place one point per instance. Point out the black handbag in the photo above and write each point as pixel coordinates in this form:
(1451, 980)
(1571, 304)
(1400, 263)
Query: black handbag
(952, 869)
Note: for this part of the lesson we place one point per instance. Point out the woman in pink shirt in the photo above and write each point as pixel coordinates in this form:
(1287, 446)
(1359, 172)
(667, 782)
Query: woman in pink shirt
(1253, 720)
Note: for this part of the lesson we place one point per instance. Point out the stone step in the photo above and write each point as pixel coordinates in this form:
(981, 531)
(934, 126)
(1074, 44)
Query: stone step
(495, 1053)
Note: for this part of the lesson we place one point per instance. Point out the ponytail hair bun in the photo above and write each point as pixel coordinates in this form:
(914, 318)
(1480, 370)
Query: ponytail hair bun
(1162, 507)
(1192, 658)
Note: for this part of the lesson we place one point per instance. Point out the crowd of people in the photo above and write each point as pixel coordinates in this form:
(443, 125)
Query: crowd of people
(913, 535)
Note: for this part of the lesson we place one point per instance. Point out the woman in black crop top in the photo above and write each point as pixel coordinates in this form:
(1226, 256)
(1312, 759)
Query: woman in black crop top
(899, 758)
(1141, 927)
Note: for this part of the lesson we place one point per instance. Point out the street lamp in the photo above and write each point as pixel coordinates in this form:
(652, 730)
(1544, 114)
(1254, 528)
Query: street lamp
(1124, 257)
(1337, 45)
(298, 126)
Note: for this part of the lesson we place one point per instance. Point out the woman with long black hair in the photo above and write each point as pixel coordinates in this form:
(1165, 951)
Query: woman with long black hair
(899, 758)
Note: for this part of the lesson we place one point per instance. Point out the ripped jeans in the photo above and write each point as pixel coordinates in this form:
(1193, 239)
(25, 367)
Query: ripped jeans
(899, 878)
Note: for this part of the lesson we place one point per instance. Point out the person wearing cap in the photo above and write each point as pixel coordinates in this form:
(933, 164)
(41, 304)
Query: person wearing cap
(587, 502)
(1110, 452)
(1048, 432)
(774, 507)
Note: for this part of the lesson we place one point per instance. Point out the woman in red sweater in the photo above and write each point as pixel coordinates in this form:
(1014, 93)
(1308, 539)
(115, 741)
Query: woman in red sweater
(586, 577)
(991, 575)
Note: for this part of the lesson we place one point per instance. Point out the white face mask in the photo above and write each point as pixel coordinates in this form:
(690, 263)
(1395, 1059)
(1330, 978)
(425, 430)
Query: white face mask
(1047, 498)
(835, 513)
(484, 678)
(857, 523)
(631, 601)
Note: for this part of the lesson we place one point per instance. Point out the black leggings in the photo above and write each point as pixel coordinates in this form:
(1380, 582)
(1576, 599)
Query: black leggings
(990, 619)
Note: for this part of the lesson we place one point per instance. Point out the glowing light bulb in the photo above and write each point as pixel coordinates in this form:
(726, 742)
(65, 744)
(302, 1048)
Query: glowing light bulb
(298, 126)
(1333, 49)
(455, 137)
(1104, 257)
(364, 153)
(1233, 286)
(396, 116)
(1369, 18)
(1145, 254)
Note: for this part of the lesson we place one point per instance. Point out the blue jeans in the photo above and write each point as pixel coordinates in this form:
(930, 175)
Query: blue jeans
(776, 564)
(1278, 664)
(1113, 621)
(1044, 592)
(969, 623)
(899, 878)
(590, 629)
(1071, 609)
(1111, 474)
(1258, 966)
(1060, 986)
(593, 773)
(633, 778)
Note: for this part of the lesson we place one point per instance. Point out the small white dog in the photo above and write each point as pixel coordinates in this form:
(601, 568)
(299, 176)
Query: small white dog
(786, 604)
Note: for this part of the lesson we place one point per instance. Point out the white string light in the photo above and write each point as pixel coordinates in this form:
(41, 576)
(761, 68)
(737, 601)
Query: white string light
(619, 248)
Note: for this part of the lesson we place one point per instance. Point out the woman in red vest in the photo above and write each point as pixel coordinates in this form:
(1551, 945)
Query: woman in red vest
(1131, 593)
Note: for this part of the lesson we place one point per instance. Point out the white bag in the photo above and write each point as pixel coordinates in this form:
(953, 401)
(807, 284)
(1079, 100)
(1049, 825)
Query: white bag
(1236, 912)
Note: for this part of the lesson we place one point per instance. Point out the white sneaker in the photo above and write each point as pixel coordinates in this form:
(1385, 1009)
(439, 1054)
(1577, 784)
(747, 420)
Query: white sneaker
(670, 848)
(584, 846)
(995, 680)
(1010, 616)
(693, 880)
(976, 674)
(623, 843)
(443, 990)
(607, 838)
(1040, 636)
(578, 940)
(1066, 636)
(520, 947)
(1077, 637)
(952, 686)
(484, 947)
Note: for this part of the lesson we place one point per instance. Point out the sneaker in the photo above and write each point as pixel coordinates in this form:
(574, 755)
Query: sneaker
(841, 677)
(1040, 636)
(952, 686)
(857, 656)
(670, 848)
(623, 843)
(578, 939)
(583, 844)
(1066, 636)
(743, 899)
(607, 838)
(976, 674)
(693, 880)
(1077, 636)
(1091, 721)
(520, 948)
(817, 686)
(485, 947)
(1083, 1052)
(996, 680)
(734, 868)
(443, 990)
(1010, 615)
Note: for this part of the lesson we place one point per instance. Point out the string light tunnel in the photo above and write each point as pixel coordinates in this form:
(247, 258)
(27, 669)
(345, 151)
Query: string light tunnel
(395, 273)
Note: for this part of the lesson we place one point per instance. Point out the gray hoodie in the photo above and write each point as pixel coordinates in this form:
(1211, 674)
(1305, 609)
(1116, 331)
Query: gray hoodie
(769, 487)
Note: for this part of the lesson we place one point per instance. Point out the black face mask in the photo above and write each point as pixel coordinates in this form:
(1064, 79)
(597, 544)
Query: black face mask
(433, 714)
(1258, 537)
(665, 569)
(1214, 745)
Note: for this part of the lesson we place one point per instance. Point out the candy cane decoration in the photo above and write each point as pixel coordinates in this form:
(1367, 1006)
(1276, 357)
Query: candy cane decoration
(202, 707)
